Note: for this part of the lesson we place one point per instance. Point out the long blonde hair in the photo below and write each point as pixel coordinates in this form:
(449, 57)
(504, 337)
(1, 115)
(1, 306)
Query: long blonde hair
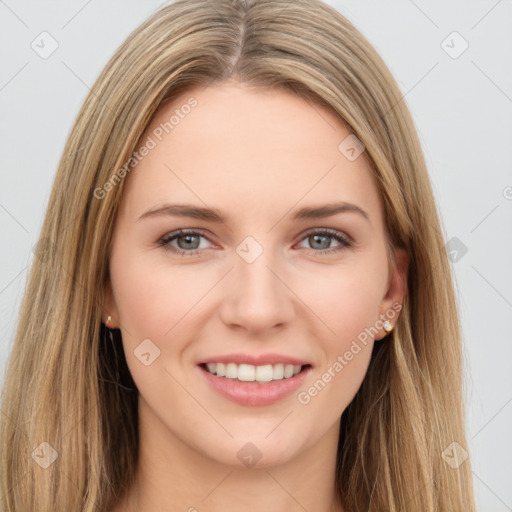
(68, 386)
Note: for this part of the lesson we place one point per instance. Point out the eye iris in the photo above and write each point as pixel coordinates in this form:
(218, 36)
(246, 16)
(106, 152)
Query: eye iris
(323, 240)
(188, 238)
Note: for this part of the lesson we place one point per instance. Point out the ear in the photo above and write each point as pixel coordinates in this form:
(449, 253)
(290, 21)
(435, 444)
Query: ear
(110, 306)
(397, 288)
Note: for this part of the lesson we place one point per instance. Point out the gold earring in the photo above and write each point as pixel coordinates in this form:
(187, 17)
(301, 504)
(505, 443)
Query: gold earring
(387, 326)
(109, 320)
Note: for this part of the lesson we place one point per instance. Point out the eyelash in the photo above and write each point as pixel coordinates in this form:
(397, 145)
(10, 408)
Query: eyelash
(344, 240)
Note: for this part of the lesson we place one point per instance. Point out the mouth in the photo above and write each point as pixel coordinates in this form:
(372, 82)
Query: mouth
(254, 384)
(254, 373)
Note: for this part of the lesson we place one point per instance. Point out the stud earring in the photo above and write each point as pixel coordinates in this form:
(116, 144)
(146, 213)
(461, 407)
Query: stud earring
(387, 326)
(108, 322)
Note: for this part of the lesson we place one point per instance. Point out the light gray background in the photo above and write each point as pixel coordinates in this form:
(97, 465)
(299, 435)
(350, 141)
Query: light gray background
(461, 106)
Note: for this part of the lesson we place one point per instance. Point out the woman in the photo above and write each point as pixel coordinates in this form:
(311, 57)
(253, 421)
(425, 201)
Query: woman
(241, 299)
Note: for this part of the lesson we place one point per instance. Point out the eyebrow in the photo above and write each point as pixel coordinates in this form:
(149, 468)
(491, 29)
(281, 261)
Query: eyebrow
(215, 215)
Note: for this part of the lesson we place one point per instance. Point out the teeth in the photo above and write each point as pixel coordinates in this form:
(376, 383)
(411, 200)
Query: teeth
(288, 371)
(245, 372)
(278, 372)
(263, 373)
(251, 373)
(231, 371)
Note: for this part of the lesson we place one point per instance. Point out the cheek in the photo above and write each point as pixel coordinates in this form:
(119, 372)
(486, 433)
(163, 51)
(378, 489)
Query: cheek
(346, 352)
(346, 298)
(155, 302)
(150, 298)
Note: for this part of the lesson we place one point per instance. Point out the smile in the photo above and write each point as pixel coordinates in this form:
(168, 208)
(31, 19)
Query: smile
(252, 373)
(266, 381)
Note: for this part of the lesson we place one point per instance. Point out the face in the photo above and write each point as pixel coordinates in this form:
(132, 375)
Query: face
(248, 246)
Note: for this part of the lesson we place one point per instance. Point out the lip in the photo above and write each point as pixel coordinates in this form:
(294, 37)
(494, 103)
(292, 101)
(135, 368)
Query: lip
(259, 360)
(254, 393)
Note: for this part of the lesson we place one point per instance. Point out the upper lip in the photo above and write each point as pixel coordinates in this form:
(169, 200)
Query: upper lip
(258, 360)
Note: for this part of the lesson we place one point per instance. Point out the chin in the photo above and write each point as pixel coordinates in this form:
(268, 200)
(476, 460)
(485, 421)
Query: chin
(254, 451)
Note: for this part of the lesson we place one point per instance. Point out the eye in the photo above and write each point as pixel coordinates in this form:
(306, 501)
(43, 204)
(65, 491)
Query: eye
(320, 240)
(188, 242)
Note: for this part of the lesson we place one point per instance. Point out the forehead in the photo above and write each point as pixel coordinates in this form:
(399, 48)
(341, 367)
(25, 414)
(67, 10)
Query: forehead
(251, 150)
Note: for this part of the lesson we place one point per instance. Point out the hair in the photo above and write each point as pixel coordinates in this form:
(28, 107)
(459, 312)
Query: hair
(66, 382)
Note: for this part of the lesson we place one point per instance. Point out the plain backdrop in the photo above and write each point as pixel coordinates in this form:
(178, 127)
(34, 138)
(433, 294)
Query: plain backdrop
(453, 63)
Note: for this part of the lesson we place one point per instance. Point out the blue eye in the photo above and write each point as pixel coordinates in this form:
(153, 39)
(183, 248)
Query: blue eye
(321, 239)
(189, 241)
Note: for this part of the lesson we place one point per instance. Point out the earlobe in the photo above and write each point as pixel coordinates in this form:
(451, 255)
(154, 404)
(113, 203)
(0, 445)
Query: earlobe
(109, 313)
(108, 322)
(395, 294)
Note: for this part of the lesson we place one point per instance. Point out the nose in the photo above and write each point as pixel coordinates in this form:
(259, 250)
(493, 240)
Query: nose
(256, 297)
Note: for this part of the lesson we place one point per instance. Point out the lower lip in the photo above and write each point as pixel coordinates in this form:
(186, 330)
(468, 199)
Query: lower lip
(254, 393)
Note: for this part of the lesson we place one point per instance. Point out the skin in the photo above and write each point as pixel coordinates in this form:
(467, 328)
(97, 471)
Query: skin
(258, 155)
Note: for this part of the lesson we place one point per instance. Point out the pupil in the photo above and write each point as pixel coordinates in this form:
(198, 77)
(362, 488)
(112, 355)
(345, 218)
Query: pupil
(188, 239)
(326, 241)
